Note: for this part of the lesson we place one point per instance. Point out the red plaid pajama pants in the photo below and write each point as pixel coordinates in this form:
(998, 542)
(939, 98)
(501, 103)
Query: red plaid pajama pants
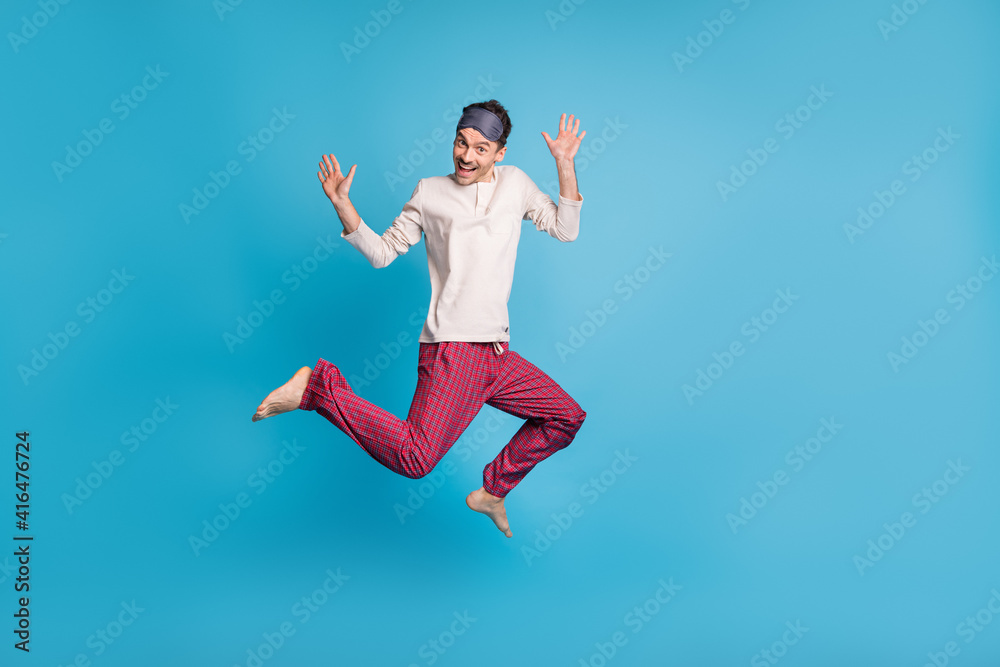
(454, 380)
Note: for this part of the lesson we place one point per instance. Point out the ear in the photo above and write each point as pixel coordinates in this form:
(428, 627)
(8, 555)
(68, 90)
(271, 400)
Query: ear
(500, 154)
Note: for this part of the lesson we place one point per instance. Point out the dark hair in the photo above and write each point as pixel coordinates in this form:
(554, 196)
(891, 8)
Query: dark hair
(501, 113)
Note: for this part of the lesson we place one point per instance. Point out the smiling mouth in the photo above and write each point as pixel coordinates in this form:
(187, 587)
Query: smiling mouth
(464, 170)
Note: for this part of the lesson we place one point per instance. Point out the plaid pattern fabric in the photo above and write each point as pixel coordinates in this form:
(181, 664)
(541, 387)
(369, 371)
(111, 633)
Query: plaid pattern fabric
(454, 380)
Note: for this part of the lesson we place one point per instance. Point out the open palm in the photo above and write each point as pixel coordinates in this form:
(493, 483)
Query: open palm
(335, 184)
(566, 143)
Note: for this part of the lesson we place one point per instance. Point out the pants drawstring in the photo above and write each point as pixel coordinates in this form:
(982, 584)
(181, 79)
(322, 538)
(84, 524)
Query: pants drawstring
(497, 347)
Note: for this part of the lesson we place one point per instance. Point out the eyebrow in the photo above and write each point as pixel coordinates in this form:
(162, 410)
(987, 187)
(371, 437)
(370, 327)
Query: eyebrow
(459, 135)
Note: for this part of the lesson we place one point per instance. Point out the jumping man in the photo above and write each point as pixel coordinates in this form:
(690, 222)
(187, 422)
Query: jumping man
(471, 222)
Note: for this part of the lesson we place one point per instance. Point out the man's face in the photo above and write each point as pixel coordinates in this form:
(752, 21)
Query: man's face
(474, 156)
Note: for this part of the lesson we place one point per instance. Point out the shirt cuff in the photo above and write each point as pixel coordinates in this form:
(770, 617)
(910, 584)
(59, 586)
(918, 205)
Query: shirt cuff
(571, 202)
(369, 243)
(363, 238)
(353, 235)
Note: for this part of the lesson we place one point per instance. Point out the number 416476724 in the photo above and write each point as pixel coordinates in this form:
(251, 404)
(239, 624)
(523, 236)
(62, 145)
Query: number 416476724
(22, 463)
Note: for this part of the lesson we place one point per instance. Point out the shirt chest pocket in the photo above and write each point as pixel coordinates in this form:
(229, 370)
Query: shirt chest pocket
(503, 221)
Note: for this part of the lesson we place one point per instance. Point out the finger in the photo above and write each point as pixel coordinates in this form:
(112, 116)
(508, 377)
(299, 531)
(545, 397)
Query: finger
(583, 135)
(320, 175)
(350, 176)
(562, 122)
(336, 165)
(548, 139)
(577, 127)
(322, 168)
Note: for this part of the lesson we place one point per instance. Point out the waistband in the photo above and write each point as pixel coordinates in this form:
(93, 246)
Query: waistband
(497, 344)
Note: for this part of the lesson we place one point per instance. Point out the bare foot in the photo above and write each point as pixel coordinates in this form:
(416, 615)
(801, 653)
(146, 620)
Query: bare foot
(482, 501)
(286, 397)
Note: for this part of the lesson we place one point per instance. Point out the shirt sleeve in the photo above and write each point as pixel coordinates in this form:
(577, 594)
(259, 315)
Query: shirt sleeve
(561, 222)
(396, 240)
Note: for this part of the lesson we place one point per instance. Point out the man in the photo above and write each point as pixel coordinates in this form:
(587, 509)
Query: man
(471, 223)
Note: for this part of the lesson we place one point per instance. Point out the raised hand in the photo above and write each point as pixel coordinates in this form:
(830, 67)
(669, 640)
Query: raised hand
(566, 143)
(335, 184)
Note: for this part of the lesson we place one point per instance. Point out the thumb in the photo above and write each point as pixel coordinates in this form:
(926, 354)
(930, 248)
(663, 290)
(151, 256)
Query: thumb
(350, 175)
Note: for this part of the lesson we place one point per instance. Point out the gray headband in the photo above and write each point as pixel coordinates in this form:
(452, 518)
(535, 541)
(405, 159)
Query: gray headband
(484, 120)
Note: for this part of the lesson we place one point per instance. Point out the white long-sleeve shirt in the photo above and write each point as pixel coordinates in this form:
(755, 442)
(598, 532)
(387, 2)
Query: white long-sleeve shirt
(471, 232)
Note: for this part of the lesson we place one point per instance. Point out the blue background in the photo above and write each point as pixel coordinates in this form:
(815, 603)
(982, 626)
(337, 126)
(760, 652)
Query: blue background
(679, 128)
